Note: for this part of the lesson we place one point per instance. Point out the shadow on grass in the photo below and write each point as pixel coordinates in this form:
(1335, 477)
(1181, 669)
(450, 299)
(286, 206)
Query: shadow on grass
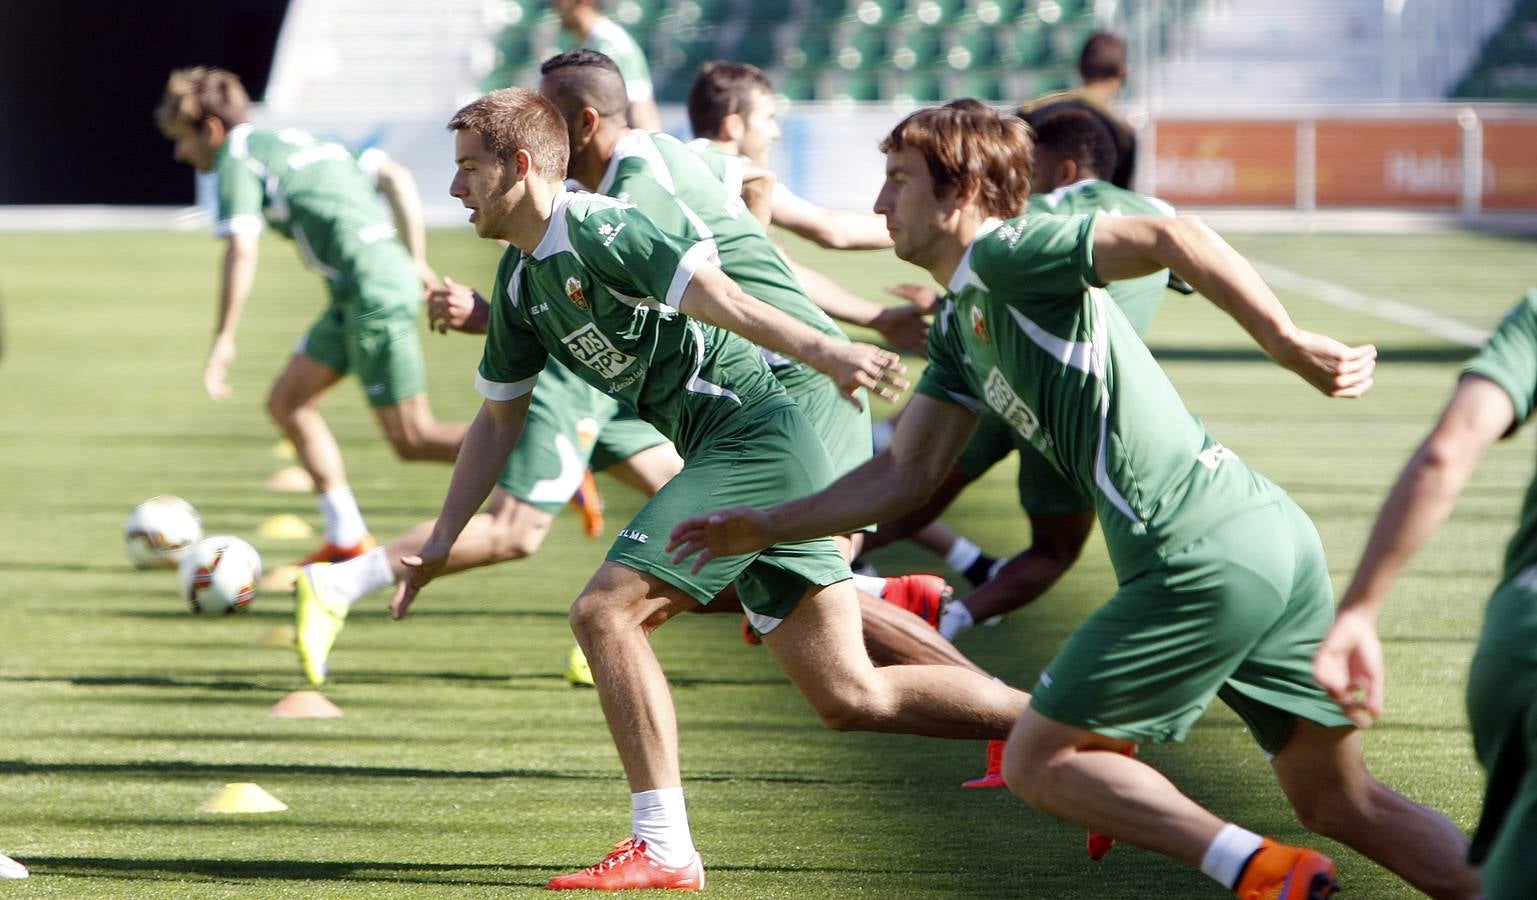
(1410, 353)
(226, 772)
(284, 870)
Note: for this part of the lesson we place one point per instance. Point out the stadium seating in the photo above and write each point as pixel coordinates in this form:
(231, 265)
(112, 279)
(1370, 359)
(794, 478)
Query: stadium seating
(912, 50)
(1506, 69)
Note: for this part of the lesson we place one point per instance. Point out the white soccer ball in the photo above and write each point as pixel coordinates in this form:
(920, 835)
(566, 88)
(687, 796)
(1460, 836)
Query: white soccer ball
(220, 574)
(160, 532)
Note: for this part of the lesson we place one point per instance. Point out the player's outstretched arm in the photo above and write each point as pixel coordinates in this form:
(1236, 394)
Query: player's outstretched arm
(237, 276)
(455, 306)
(398, 186)
(903, 325)
(712, 297)
(1127, 247)
(835, 229)
(929, 437)
(487, 443)
(1349, 661)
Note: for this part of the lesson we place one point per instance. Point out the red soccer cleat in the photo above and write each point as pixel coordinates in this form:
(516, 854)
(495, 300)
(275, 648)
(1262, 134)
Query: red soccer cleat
(331, 553)
(1283, 872)
(589, 503)
(1100, 845)
(924, 596)
(750, 635)
(629, 866)
(994, 776)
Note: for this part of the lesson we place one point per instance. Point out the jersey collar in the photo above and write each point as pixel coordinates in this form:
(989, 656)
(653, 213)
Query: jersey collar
(555, 237)
(625, 147)
(237, 142)
(963, 276)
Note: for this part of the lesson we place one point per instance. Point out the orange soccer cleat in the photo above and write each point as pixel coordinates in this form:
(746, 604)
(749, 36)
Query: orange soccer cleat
(589, 503)
(1283, 872)
(331, 553)
(993, 778)
(629, 866)
(924, 596)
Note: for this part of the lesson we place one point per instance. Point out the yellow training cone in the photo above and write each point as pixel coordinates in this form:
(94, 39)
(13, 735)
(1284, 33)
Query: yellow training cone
(280, 580)
(305, 705)
(280, 637)
(291, 480)
(242, 797)
(285, 527)
(284, 450)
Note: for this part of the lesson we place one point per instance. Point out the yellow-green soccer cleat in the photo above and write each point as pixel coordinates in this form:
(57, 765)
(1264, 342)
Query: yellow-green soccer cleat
(318, 619)
(578, 674)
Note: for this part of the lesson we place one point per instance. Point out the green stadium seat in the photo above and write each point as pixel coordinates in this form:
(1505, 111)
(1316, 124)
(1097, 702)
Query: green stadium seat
(871, 44)
(922, 85)
(984, 84)
(926, 44)
(978, 46)
(1031, 44)
(798, 85)
(938, 12)
(828, 11)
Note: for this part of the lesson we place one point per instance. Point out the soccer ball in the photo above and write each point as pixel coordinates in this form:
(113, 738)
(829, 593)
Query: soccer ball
(220, 574)
(160, 532)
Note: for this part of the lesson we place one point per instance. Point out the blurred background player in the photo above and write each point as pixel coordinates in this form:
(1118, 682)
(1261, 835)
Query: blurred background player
(732, 113)
(584, 20)
(1072, 149)
(595, 283)
(1494, 398)
(1102, 66)
(1223, 587)
(570, 426)
(322, 196)
(678, 192)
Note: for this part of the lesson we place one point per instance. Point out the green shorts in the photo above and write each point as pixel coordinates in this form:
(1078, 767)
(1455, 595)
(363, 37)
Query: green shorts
(1502, 708)
(1043, 491)
(770, 458)
(843, 430)
(561, 440)
(1236, 614)
(384, 351)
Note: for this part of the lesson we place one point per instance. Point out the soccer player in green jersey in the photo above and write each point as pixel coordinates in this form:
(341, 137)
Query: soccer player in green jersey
(585, 21)
(322, 197)
(1223, 587)
(1071, 150)
(678, 192)
(1494, 398)
(650, 321)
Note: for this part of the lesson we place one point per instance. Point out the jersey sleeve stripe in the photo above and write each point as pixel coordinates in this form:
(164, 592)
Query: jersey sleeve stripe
(693, 258)
(500, 390)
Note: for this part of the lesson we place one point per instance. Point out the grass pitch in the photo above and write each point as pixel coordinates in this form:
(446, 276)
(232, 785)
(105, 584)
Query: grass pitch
(465, 766)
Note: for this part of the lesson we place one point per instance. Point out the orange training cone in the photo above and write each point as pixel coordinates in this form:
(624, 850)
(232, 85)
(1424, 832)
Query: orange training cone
(305, 705)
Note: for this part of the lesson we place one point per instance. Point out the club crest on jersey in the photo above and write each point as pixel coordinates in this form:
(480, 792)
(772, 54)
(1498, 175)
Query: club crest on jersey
(979, 326)
(574, 291)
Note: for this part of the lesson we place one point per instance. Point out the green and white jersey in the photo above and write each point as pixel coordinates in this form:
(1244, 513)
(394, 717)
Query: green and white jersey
(600, 294)
(1509, 359)
(1027, 332)
(610, 39)
(1137, 297)
(730, 169)
(318, 193)
(674, 187)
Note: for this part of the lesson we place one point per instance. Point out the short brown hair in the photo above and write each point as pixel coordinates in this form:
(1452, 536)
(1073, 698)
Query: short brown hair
(966, 142)
(720, 89)
(1104, 56)
(514, 119)
(196, 93)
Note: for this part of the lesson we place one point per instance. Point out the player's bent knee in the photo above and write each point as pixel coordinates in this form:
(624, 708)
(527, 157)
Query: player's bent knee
(1332, 813)
(852, 707)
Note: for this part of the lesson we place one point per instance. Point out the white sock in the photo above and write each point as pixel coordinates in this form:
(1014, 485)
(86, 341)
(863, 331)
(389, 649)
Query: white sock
(344, 521)
(955, 619)
(352, 579)
(659, 818)
(962, 554)
(870, 584)
(1229, 851)
(880, 435)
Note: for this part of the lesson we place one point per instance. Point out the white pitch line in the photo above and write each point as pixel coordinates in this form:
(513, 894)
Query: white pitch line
(1392, 310)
